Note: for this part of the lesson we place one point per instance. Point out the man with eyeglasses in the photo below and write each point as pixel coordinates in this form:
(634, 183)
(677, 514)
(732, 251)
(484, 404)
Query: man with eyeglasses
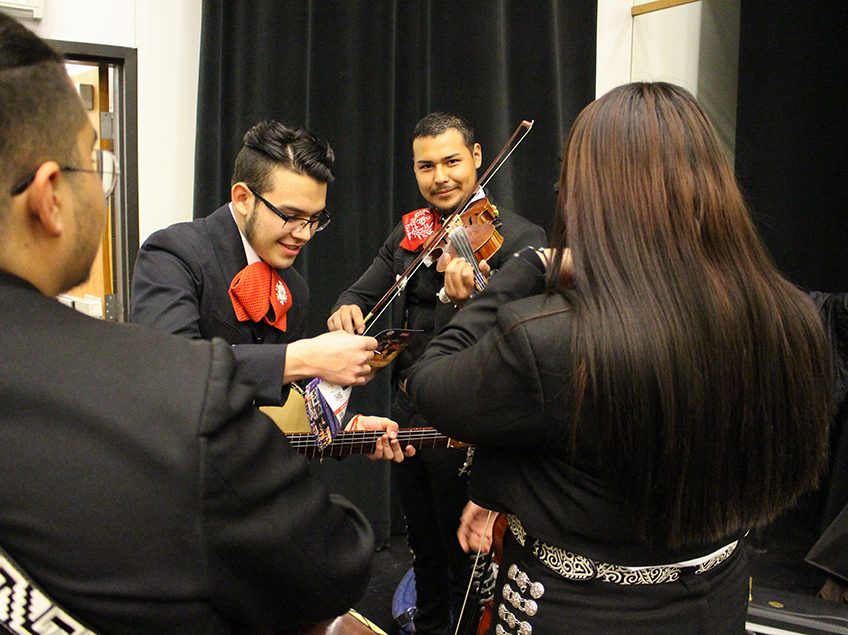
(141, 491)
(229, 275)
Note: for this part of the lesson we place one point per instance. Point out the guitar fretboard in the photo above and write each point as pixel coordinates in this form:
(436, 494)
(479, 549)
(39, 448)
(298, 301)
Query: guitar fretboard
(363, 441)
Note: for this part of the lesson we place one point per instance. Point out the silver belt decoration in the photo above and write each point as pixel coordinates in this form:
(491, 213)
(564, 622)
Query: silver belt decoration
(580, 568)
(516, 598)
(25, 609)
(519, 602)
(510, 620)
(522, 580)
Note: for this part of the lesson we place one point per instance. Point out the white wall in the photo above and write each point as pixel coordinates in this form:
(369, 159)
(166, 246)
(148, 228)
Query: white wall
(666, 46)
(660, 46)
(94, 21)
(614, 41)
(166, 35)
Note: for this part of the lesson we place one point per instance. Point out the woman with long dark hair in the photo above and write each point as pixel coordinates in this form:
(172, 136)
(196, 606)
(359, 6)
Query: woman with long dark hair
(641, 394)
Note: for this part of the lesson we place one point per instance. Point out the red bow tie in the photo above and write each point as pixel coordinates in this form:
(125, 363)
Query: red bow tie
(259, 294)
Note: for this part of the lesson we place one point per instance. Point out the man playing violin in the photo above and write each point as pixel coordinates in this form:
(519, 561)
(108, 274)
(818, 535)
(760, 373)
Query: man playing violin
(445, 163)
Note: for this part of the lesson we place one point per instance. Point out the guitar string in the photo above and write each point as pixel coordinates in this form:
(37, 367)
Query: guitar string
(361, 437)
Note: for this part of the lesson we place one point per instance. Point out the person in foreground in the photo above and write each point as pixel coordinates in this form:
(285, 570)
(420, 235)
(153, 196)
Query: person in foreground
(641, 394)
(141, 490)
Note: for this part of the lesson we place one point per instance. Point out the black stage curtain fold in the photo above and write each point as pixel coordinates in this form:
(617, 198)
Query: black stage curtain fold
(360, 73)
(791, 136)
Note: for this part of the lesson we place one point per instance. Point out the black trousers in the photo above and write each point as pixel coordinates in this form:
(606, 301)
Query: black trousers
(712, 603)
(433, 495)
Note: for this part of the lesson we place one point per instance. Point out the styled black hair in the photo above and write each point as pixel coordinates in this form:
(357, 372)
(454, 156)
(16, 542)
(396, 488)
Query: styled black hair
(270, 145)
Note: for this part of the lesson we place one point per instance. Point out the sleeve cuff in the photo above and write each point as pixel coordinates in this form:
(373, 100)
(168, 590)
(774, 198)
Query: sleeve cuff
(533, 255)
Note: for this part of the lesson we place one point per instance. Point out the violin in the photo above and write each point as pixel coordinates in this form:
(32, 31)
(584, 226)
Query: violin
(474, 236)
(483, 600)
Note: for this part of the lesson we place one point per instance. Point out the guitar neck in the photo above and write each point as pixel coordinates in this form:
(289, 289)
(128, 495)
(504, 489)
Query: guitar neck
(363, 441)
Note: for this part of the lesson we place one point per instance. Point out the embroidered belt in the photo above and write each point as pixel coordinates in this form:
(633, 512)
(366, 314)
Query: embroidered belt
(580, 568)
(25, 609)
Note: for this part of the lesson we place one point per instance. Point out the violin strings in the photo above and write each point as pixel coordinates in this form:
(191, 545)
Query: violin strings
(459, 239)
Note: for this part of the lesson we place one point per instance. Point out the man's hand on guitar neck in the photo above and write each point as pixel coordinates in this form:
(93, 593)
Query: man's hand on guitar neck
(387, 447)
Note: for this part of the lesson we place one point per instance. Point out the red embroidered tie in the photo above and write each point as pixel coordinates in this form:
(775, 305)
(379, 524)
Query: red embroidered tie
(418, 226)
(259, 294)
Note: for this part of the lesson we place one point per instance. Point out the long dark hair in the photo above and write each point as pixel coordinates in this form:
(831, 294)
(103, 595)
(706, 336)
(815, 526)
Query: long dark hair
(706, 372)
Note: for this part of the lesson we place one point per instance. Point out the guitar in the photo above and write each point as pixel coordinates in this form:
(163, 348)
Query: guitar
(363, 441)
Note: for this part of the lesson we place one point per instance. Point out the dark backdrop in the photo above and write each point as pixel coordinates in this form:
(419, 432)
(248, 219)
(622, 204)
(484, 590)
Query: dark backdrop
(360, 73)
(791, 135)
(791, 163)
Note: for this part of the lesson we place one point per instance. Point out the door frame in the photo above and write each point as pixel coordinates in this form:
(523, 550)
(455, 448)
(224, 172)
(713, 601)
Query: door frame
(125, 221)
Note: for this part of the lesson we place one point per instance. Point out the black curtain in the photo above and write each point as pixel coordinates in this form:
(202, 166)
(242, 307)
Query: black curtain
(791, 135)
(360, 73)
(791, 162)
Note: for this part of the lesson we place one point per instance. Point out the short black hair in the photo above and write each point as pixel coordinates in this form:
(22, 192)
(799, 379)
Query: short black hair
(40, 112)
(437, 123)
(271, 144)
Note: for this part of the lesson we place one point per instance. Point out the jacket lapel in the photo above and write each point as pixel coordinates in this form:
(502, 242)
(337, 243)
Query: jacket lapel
(229, 253)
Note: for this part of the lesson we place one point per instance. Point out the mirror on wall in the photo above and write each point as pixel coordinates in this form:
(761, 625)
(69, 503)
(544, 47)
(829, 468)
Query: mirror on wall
(694, 45)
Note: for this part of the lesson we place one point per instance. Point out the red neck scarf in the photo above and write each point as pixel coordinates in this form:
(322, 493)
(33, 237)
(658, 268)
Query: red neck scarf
(259, 294)
(418, 226)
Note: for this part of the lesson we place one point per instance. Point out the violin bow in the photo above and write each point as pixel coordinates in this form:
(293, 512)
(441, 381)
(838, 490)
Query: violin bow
(505, 152)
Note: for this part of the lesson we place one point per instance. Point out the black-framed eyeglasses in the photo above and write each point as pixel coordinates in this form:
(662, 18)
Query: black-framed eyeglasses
(315, 223)
(104, 162)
